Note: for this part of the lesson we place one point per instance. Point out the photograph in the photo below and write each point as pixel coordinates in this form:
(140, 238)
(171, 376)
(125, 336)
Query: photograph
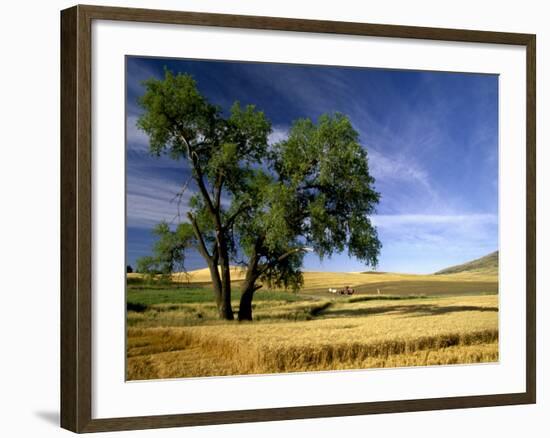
(285, 218)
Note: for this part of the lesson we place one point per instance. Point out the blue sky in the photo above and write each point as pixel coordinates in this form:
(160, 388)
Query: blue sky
(431, 138)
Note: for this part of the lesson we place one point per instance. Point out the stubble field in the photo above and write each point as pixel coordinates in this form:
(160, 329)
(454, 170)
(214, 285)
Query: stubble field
(393, 320)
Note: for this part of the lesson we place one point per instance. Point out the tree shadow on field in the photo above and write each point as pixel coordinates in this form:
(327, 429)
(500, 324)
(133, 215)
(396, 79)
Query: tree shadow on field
(411, 310)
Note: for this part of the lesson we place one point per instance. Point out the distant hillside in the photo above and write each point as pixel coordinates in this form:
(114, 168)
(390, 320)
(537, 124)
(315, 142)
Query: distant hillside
(484, 265)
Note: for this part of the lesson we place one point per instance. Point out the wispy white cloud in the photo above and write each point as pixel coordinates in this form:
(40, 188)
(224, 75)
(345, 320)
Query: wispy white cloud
(151, 199)
(136, 139)
(438, 233)
(140, 71)
(399, 168)
(429, 242)
(384, 221)
(436, 167)
(424, 243)
(146, 212)
(278, 134)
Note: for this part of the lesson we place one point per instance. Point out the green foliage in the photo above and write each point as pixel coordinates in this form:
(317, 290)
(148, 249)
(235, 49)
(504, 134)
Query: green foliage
(168, 251)
(177, 116)
(146, 265)
(312, 191)
(180, 122)
(326, 169)
(317, 193)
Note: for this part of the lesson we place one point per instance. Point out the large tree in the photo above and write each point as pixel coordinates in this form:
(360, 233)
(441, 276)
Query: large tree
(310, 192)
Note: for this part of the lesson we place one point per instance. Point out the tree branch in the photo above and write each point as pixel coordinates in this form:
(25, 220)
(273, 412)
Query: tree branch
(179, 198)
(281, 258)
(213, 209)
(215, 255)
(199, 175)
(202, 245)
(218, 191)
(200, 183)
(229, 221)
(251, 271)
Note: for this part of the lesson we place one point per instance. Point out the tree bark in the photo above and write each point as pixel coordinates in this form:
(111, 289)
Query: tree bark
(226, 311)
(217, 286)
(254, 272)
(224, 302)
(249, 287)
(245, 304)
(221, 284)
(222, 293)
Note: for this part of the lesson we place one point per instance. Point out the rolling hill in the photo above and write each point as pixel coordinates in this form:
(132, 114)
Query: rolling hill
(476, 276)
(484, 265)
(480, 279)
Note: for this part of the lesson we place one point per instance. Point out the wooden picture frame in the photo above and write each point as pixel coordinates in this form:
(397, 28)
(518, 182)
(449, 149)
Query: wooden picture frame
(76, 218)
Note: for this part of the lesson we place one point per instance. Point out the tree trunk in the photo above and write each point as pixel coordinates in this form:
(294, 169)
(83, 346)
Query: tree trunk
(249, 287)
(224, 310)
(245, 305)
(222, 292)
(247, 294)
(216, 283)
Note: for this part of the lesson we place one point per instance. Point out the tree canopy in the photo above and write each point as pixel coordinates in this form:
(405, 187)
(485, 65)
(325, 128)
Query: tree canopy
(310, 192)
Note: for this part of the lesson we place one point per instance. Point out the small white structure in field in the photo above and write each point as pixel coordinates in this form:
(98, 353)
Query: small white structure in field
(332, 290)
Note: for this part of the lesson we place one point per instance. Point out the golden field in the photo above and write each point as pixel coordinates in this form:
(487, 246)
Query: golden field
(368, 282)
(334, 279)
(311, 331)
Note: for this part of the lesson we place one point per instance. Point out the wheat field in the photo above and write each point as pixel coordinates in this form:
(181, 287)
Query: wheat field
(185, 339)
(314, 280)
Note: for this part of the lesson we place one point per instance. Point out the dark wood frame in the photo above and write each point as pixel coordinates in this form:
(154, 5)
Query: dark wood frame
(76, 173)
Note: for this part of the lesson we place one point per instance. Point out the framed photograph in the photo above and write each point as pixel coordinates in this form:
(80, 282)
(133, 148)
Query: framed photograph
(270, 218)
